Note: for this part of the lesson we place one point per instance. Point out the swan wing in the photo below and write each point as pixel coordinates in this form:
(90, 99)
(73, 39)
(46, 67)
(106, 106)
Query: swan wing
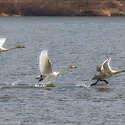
(45, 64)
(106, 66)
(99, 68)
(2, 40)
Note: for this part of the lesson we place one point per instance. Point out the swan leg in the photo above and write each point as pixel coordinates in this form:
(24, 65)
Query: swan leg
(41, 78)
(95, 83)
(105, 81)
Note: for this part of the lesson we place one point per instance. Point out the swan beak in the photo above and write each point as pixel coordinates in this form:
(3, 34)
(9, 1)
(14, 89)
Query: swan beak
(73, 67)
(22, 46)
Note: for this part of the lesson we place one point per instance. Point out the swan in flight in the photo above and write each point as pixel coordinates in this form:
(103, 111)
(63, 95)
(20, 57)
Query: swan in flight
(46, 67)
(105, 72)
(2, 40)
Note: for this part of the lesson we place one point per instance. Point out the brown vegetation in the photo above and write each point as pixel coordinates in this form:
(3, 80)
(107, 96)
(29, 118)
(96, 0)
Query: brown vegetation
(62, 7)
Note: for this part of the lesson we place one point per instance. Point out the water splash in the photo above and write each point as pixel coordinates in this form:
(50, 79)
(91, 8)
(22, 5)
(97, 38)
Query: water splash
(83, 85)
(45, 85)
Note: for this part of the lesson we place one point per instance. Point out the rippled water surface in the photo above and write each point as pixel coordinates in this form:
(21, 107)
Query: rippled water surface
(81, 41)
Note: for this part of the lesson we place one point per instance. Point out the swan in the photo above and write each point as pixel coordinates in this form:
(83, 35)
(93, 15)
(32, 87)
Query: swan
(105, 72)
(2, 40)
(46, 67)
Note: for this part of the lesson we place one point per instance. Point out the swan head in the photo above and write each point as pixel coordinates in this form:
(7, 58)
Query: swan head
(73, 67)
(20, 46)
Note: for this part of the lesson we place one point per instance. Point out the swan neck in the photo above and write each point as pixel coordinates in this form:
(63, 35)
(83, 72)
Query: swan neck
(120, 71)
(13, 48)
(63, 71)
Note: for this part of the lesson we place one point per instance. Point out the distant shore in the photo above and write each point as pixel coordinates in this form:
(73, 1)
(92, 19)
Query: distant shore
(62, 8)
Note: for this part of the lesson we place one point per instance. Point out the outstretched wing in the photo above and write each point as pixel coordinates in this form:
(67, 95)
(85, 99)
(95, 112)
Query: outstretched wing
(2, 40)
(106, 66)
(99, 68)
(44, 63)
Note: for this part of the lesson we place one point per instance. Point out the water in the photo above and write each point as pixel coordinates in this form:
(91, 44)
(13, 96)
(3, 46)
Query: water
(81, 41)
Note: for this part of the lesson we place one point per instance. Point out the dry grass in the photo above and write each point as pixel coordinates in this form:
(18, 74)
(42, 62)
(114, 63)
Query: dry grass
(62, 7)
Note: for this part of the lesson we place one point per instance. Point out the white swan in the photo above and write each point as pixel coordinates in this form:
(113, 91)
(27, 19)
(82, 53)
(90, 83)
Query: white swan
(2, 40)
(105, 72)
(46, 67)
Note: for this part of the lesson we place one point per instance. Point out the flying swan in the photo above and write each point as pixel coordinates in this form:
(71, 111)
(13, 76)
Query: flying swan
(46, 67)
(2, 40)
(105, 72)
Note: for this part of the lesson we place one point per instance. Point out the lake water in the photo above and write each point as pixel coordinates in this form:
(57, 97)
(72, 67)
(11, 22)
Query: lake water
(81, 41)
